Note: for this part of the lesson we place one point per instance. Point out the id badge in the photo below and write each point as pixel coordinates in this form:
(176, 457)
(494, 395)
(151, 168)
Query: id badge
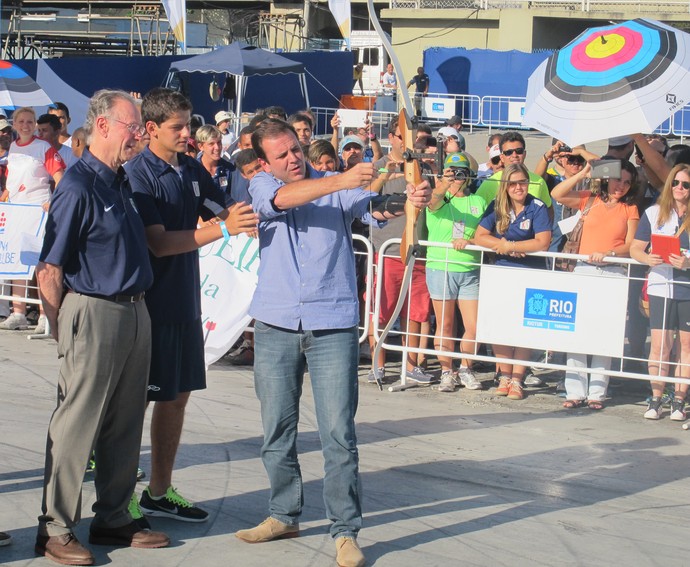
(223, 181)
(195, 185)
(458, 229)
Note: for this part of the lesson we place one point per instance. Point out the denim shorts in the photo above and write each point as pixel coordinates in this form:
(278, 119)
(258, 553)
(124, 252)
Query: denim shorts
(447, 286)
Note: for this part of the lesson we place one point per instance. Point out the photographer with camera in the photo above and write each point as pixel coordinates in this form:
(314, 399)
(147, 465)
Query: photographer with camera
(452, 275)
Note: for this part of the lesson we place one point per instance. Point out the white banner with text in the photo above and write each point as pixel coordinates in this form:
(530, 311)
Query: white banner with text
(558, 311)
(21, 238)
(228, 273)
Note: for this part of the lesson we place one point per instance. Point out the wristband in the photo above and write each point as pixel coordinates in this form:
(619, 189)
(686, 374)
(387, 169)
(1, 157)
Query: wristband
(547, 160)
(372, 137)
(224, 230)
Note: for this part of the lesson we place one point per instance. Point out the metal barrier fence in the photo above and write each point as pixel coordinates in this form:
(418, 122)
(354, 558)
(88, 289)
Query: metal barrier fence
(489, 112)
(636, 6)
(618, 362)
(26, 293)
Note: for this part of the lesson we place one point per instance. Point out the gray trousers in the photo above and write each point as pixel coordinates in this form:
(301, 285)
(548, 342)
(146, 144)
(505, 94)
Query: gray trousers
(105, 349)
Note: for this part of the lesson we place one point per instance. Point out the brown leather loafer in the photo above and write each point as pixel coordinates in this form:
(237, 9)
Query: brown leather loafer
(130, 535)
(64, 549)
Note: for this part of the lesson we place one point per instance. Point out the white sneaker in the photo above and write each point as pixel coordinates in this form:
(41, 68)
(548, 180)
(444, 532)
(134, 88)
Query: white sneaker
(41, 325)
(448, 382)
(533, 380)
(15, 322)
(469, 380)
(654, 409)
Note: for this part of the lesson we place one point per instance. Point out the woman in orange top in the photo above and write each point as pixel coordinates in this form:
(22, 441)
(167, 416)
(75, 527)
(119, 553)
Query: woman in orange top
(608, 230)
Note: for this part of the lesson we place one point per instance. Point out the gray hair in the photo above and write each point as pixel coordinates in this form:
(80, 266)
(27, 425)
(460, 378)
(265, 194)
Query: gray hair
(101, 104)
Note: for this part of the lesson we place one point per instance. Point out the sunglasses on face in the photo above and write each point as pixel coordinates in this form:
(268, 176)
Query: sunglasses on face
(518, 151)
(684, 184)
(576, 160)
(496, 160)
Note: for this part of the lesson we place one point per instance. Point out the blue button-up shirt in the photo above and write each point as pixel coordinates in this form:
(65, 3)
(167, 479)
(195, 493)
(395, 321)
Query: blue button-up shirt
(307, 270)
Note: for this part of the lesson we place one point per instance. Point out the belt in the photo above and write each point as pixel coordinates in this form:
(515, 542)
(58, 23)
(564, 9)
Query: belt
(119, 298)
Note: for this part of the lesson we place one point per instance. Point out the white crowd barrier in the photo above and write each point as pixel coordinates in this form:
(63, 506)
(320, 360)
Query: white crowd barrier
(544, 310)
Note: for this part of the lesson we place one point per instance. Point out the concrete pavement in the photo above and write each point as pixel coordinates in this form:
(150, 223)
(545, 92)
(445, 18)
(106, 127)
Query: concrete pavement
(449, 479)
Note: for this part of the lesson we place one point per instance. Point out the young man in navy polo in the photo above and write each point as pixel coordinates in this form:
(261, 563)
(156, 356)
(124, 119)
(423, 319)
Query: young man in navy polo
(172, 191)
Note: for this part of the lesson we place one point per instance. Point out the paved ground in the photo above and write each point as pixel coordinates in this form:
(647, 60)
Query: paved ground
(449, 479)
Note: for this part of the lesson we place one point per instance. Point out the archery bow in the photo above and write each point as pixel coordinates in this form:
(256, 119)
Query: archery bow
(409, 249)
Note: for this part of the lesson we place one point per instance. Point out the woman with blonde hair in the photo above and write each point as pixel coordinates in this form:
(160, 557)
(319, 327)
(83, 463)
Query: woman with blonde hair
(515, 223)
(668, 287)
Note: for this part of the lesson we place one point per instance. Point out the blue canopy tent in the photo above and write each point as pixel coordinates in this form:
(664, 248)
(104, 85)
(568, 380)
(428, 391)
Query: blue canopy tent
(242, 61)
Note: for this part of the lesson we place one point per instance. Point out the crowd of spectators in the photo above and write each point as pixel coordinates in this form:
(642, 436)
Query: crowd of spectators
(498, 204)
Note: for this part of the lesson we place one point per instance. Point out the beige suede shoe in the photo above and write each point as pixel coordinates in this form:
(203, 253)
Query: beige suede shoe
(348, 553)
(268, 530)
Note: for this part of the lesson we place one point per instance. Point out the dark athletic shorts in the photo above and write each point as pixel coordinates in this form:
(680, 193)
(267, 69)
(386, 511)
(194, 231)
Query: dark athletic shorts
(177, 360)
(677, 314)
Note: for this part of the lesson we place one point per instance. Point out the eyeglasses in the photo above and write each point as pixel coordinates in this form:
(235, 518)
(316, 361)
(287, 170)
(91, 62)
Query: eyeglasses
(684, 184)
(132, 128)
(398, 136)
(518, 151)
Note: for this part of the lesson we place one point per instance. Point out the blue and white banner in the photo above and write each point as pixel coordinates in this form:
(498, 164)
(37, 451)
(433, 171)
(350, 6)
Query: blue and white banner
(558, 311)
(21, 238)
(228, 279)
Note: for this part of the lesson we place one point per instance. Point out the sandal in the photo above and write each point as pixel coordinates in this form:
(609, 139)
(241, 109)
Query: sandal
(572, 404)
(595, 405)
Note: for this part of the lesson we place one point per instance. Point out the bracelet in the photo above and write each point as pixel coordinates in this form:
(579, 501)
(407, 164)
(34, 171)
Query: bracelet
(372, 137)
(547, 160)
(224, 230)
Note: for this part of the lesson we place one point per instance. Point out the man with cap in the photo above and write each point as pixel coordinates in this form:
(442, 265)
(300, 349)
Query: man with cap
(454, 142)
(92, 274)
(493, 165)
(351, 152)
(620, 147)
(223, 120)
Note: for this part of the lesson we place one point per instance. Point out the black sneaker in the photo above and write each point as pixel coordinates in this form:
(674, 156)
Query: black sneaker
(172, 505)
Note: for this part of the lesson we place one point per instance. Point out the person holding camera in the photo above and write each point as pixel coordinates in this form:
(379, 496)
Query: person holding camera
(610, 221)
(452, 274)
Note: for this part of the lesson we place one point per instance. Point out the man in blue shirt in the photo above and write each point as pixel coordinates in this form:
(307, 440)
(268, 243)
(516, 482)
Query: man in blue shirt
(306, 312)
(93, 272)
(172, 191)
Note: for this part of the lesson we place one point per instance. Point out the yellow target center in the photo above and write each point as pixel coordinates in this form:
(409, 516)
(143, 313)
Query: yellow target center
(605, 46)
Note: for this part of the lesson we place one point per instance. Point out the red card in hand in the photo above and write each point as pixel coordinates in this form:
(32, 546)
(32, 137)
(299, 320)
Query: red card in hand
(664, 245)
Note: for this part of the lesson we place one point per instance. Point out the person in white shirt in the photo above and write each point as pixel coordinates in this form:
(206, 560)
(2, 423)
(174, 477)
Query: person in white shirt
(390, 81)
(31, 164)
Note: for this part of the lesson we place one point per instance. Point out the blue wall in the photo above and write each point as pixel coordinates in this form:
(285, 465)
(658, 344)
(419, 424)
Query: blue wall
(332, 69)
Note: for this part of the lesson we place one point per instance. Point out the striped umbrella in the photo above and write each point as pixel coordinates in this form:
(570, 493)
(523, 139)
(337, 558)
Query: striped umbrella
(18, 89)
(611, 81)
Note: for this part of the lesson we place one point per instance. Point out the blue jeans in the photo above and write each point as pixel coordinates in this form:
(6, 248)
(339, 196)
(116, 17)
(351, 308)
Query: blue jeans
(279, 363)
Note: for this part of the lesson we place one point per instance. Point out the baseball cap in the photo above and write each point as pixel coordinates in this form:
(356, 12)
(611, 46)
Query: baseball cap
(223, 115)
(457, 159)
(4, 124)
(494, 151)
(619, 141)
(447, 131)
(350, 140)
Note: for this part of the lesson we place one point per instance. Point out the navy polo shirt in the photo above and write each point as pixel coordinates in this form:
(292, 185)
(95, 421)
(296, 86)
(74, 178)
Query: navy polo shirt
(94, 232)
(176, 201)
(224, 178)
(533, 219)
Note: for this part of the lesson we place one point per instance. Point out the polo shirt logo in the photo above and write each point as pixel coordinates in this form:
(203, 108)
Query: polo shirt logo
(525, 224)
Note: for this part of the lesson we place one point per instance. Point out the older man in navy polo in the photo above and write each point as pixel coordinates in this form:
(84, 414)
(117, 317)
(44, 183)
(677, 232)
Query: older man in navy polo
(93, 272)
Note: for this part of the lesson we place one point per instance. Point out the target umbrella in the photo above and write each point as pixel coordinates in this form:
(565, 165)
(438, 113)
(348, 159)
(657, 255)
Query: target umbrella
(611, 81)
(18, 89)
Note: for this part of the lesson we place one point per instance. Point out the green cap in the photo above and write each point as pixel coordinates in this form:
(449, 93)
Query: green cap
(457, 159)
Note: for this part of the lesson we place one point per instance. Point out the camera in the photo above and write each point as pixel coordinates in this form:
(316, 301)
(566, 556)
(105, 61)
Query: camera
(460, 173)
(565, 148)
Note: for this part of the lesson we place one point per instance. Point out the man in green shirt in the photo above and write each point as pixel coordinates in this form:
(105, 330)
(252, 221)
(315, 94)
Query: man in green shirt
(513, 150)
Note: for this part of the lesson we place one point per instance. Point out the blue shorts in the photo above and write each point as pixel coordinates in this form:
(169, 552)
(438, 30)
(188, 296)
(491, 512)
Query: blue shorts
(177, 361)
(451, 286)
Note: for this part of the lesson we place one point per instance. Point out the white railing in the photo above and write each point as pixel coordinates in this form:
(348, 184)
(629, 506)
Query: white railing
(627, 6)
(617, 368)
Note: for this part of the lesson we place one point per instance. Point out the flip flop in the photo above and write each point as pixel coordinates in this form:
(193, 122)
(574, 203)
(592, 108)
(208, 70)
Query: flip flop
(572, 404)
(595, 405)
